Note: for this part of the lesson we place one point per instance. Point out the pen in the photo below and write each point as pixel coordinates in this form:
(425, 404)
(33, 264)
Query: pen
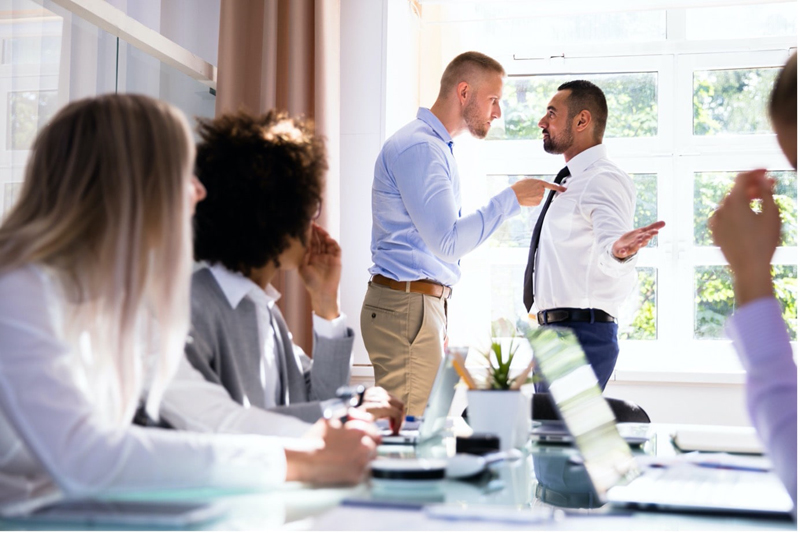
(458, 364)
(721, 466)
(346, 397)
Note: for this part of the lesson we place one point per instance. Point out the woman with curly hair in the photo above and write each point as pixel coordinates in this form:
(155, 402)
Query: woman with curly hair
(95, 263)
(265, 179)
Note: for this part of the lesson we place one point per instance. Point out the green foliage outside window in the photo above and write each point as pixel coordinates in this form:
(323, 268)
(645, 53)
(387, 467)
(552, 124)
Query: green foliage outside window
(714, 300)
(643, 325)
(711, 187)
(631, 97)
(732, 101)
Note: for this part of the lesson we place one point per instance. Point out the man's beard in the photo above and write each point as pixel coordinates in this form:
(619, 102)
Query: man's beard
(476, 124)
(558, 145)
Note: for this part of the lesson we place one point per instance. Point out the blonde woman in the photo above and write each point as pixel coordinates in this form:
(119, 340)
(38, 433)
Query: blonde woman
(94, 303)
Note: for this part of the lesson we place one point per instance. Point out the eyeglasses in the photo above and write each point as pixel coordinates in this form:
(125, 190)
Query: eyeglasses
(318, 212)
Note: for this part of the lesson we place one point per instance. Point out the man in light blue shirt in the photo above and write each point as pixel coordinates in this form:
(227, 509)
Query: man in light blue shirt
(418, 233)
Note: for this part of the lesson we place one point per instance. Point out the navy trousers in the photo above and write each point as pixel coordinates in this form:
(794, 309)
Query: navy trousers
(599, 343)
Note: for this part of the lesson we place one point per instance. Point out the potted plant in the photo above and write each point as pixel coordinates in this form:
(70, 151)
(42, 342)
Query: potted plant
(502, 407)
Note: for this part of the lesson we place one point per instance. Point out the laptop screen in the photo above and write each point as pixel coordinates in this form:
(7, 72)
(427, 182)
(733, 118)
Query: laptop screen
(561, 362)
(441, 396)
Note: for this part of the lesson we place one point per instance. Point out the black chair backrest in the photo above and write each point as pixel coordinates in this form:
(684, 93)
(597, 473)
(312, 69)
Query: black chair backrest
(545, 409)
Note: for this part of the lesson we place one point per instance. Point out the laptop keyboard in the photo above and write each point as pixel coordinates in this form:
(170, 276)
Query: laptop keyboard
(692, 486)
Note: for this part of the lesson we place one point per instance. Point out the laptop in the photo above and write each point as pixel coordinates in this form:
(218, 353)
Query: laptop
(616, 476)
(434, 419)
(555, 431)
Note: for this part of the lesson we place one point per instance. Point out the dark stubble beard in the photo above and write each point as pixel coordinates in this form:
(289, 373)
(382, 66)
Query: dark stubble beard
(476, 124)
(559, 145)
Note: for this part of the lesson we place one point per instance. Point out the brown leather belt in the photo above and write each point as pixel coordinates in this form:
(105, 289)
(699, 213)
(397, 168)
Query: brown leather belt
(431, 288)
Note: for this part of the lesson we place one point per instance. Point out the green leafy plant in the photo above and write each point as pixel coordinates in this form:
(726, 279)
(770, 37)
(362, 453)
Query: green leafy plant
(498, 375)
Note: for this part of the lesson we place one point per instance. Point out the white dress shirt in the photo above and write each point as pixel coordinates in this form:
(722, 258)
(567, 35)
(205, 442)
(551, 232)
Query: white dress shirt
(574, 264)
(192, 402)
(56, 434)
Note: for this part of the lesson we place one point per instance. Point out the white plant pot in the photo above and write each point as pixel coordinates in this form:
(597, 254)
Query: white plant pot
(504, 413)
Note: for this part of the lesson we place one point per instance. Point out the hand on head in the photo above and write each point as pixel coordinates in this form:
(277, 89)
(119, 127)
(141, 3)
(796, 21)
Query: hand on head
(746, 238)
(633, 241)
(321, 272)
(341, 454)
(380, 404)
(531, 191)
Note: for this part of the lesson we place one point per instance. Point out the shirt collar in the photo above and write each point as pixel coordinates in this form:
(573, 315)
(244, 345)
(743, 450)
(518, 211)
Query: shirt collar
(585, 159)
(426, 116)
(236, 286)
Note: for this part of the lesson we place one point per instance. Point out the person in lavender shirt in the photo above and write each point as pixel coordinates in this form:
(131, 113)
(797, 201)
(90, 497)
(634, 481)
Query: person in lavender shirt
(748, 240)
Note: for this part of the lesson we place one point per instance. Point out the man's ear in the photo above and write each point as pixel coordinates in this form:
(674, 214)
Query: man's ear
(463, 92)
(583, 120)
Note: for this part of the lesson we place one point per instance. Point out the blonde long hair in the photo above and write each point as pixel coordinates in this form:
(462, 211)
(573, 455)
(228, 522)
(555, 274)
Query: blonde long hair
(105, 207)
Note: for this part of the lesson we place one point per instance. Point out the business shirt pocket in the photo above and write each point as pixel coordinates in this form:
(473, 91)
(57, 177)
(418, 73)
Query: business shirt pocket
(560, 218)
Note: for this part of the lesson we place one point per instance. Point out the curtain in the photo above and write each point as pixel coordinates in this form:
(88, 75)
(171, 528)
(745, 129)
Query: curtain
(285, 54)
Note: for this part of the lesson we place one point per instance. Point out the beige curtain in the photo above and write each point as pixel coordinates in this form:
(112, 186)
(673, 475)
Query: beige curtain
(285, 54)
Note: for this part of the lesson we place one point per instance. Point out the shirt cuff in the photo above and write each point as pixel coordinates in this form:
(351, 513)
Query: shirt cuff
(330, 329)
(758, 332)
(508, 202)
(611, 266)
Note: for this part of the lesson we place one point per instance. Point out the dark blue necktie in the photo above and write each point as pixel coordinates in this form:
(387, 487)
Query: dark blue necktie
(527, 294)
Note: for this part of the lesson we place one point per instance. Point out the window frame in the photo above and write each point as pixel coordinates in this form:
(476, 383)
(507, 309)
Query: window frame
(674, 154)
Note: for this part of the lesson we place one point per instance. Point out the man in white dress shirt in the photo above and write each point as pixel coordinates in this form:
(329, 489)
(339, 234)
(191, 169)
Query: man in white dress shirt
(581, 264)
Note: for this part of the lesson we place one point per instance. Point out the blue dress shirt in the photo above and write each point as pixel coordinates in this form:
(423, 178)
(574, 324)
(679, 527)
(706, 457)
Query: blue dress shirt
(417, 228)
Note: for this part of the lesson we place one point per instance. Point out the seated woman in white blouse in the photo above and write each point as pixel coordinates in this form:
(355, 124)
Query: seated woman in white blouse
(95, 258)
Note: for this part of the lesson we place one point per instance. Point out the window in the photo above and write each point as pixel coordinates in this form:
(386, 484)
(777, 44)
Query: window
(687, 112)
(51, 56)
(27, 112)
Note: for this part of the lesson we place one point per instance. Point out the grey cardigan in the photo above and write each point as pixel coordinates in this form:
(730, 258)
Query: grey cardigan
(225, 349)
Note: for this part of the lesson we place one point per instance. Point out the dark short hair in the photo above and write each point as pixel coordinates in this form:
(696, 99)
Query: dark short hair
(783, 100)
(464, 67)
(586, 95)
(264, 176)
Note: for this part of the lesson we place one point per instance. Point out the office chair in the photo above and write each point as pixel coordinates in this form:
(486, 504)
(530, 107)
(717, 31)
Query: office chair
(545, 409)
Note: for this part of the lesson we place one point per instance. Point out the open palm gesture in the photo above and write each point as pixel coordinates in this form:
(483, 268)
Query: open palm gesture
(631, 242)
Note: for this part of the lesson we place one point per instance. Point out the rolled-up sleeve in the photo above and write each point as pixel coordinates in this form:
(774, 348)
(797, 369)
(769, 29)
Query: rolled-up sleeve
(425, 184)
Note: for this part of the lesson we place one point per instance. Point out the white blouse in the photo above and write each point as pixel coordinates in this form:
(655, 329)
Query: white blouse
(53, 435)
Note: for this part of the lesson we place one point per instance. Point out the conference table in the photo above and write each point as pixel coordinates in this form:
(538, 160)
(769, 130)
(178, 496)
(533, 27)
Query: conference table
(546, 488)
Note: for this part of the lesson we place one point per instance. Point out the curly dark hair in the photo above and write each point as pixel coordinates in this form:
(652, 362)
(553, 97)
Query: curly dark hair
(264, 176)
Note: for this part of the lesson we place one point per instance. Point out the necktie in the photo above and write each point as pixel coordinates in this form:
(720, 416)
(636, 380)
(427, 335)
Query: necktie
(527, 294)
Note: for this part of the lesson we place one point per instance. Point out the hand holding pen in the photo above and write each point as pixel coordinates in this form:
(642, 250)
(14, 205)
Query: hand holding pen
(374, 400)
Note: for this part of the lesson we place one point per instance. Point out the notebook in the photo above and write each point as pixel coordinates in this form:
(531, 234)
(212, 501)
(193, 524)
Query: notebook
(616, 476)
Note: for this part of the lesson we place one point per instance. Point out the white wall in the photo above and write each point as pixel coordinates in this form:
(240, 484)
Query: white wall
(376, 101)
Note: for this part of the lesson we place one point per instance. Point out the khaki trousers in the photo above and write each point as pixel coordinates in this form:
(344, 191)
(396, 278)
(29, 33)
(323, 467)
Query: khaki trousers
(404, 334)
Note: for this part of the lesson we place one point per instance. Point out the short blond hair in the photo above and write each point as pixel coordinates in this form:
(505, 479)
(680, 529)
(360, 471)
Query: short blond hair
(467, 67)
